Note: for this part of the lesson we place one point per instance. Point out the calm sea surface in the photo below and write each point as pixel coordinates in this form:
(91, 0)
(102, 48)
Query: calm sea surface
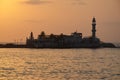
(60, 64)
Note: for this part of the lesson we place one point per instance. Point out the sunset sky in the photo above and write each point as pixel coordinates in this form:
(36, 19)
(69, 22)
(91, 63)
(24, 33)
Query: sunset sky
(19, 17)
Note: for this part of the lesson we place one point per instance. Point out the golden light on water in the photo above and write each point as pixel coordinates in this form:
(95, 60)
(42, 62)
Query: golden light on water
(59, 64)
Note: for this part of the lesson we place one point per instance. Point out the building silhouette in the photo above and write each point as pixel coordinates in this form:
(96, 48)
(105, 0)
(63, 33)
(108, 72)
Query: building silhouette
(94, 28)
(74, 40)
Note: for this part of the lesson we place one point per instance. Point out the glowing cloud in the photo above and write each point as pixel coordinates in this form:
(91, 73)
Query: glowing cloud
(79, 2)
(36, 2)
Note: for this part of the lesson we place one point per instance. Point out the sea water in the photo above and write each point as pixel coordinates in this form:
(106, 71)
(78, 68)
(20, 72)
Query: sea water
(60, 64)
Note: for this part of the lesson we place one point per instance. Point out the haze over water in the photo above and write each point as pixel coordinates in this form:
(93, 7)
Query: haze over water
(60, 64)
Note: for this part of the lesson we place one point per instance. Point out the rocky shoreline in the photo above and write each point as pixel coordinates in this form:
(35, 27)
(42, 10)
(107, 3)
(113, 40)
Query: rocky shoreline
(12, 45)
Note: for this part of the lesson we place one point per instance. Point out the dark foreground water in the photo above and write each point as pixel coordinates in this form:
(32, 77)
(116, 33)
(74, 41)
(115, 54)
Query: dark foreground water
(59, 64)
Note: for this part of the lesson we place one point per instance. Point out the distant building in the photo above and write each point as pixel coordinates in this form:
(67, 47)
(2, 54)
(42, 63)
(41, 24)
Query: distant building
(75, 40)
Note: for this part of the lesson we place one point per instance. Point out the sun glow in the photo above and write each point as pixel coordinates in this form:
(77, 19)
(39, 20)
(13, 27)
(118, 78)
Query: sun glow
(19, 17)
(7, 7)
(6, 4)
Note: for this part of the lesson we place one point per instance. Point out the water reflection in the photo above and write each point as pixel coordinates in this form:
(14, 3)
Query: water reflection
(59, 64)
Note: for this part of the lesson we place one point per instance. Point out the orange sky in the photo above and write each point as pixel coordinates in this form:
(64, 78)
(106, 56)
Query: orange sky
(19, 17)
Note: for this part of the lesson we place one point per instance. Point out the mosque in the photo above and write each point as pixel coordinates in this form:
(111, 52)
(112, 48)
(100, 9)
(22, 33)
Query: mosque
(74, 40)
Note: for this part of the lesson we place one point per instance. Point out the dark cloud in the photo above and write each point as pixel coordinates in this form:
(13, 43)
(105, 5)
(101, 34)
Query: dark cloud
(36, 2)
(78, 2)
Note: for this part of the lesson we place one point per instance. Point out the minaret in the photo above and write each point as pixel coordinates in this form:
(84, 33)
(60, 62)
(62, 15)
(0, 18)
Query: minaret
(31, 36)
(94, 28)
